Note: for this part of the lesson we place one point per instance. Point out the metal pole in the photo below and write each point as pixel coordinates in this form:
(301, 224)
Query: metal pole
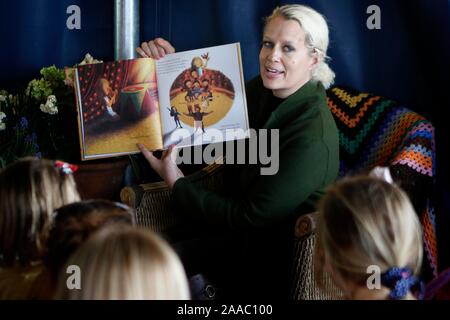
(126, 29)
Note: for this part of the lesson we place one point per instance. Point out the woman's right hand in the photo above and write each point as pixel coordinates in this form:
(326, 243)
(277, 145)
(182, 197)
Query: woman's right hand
(155, 49)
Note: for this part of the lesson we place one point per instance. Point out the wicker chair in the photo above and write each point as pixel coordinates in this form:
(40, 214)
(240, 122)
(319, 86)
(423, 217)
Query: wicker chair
(151, 201)
(304, 285)
(153, 211)
(373, 131)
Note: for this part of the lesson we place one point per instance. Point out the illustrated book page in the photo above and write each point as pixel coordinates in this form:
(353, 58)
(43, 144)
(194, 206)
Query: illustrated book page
(186, 98)
(117, 107)
(202, 95)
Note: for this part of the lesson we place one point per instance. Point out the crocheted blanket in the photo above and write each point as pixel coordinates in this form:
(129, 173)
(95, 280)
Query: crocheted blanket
(375, 131)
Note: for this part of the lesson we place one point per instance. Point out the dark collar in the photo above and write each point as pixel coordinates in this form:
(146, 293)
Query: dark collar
(291, 107)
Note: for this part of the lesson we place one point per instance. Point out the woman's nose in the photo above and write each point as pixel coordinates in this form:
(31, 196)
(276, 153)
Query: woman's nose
(274, 54)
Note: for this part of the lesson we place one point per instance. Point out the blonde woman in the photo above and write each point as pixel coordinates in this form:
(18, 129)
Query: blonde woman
(367, 229)
(289, 96)
(30, 190)
(122, 262)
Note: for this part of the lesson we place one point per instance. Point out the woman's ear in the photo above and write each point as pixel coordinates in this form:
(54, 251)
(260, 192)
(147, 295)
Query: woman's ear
(315, 59)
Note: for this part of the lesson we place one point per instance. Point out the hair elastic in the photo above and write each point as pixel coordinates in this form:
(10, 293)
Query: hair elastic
(65, 168)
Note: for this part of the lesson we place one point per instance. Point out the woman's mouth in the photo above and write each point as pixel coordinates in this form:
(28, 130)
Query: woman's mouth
(273, 73)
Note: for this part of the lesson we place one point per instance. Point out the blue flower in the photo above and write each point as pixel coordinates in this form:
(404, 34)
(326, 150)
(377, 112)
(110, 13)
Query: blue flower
(31, 138)
(23, 122)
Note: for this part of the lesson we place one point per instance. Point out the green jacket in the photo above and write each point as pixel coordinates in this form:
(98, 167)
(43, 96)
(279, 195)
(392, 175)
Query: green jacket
(308, 162)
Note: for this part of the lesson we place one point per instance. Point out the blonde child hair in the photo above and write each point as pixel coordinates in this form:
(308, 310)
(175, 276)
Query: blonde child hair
(365, 221)
(126, 263)
(30, 190)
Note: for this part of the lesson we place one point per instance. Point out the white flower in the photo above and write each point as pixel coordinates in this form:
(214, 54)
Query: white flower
(2, 98)
(52, 109)
(2, 125)
(51, 99)
(49, 108)
(10, 97)
(88, 59)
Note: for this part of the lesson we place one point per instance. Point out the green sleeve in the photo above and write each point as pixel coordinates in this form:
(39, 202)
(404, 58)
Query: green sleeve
(267, 199)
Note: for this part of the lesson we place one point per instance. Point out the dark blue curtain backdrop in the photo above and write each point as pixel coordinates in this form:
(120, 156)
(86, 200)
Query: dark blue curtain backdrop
(406, 60)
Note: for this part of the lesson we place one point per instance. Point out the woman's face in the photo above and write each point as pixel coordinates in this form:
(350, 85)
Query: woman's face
(285, 62)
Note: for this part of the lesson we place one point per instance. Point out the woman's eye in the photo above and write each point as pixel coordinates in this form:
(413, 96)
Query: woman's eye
(267, 44)
(288, 48)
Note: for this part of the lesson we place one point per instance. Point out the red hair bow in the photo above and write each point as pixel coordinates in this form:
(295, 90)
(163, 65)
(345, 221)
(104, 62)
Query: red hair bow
(66, 168)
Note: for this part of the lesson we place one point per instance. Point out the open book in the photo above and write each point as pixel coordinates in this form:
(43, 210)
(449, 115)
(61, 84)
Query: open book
(186, 98)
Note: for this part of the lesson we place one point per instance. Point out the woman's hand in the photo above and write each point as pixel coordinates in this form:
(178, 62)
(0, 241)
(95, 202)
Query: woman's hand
(166, 167)
(155, 49)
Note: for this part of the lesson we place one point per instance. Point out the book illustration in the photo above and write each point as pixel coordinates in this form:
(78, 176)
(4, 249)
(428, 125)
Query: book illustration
(186, 98)
(198, 116)
(119, 105)
(202, 91)
(175, 114)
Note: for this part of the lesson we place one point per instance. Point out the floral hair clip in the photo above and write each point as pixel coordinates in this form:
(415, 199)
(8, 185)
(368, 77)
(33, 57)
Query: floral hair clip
(65, 168)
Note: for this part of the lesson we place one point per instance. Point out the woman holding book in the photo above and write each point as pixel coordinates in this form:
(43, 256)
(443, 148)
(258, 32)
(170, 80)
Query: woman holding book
(288, 95)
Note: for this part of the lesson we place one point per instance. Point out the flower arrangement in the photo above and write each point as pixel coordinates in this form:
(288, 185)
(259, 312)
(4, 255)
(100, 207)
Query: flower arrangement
(41, 121)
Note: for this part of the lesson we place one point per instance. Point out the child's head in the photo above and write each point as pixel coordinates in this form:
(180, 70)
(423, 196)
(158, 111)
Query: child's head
(187, 84)
(366, 221)
(75, 222)
(197, 62)
(30, 190)
(127, 263)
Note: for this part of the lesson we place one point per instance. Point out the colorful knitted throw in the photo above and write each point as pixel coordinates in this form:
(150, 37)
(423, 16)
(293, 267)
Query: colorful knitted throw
(375, 131)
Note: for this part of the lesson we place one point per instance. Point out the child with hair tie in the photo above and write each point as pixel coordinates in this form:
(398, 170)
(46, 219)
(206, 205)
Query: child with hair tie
(30, 190)
(369, 240)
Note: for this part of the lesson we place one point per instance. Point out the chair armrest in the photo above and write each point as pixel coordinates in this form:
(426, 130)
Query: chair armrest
(306, 225)
(304, 286)
(132, 195)
(151, 201)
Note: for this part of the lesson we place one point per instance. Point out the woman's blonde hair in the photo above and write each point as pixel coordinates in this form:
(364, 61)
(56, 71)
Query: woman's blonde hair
(366, 221)
(316, 30)
(30, 190)
(120, 262)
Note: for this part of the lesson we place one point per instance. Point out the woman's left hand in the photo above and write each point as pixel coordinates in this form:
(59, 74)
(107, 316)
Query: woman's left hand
(166, 167)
